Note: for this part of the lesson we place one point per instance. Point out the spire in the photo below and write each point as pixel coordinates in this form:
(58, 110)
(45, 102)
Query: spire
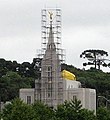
(51, 44)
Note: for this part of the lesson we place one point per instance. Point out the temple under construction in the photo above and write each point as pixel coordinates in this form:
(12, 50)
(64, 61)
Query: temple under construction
(51, 88)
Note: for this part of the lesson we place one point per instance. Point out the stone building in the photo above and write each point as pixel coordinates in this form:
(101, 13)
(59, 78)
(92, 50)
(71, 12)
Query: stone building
(52, 89)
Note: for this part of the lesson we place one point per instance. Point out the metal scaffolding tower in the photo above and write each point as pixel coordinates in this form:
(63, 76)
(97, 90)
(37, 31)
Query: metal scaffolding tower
(56, 28)
(49, 88)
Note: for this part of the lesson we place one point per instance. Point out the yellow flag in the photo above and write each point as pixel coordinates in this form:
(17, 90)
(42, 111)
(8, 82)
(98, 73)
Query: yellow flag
(68, 75)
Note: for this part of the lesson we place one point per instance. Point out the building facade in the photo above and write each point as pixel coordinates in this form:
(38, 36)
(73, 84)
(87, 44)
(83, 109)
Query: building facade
(52, 89)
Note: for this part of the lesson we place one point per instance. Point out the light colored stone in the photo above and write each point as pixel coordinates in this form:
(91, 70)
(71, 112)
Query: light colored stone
(51, 88)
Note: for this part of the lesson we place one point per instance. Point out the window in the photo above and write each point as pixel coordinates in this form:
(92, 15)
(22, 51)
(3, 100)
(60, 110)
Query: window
(74, 97)
(49, 95)
(49, 71)
(28, 99)
(49, 74)
(49, 68)
(49, 46)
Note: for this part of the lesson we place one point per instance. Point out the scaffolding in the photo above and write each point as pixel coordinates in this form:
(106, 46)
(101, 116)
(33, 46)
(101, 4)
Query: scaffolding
(49, 88)
(56, 28)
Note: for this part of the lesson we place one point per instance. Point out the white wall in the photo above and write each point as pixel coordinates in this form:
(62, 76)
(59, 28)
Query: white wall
(23, 93)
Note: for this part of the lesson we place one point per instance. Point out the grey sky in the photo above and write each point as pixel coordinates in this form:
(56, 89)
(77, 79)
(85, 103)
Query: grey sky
(85, 25)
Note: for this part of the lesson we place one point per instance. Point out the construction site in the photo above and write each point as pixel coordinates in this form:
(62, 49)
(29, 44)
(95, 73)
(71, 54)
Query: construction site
(52, 87)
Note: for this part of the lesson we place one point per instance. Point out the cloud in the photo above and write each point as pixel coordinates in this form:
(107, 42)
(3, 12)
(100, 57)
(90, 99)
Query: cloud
(85, 24)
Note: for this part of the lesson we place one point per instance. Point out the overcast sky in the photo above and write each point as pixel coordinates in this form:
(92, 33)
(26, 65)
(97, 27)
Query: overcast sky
(85, 25)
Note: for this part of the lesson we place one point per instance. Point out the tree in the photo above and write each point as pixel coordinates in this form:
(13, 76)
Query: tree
(0, 114)
(10, 85)
(69, 110)
(95, 57)
(42, 111)
(103, 113)
(86, 114)
(17, 110)
(72, 110)
(3, 68)
(36, 65)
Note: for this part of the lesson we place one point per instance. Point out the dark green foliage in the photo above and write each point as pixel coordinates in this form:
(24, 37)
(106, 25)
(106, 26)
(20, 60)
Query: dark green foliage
(17, 110)
(43, 112)
(0, 115)
(14, 76)
(86, 115)
(24, 69)
(71, 110)
(10, 85)
(103, 113)
(36, 65)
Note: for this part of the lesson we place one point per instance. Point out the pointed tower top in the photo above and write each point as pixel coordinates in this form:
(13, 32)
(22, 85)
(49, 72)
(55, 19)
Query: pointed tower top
(51, 18)
(51, 31)
(51, 44)
(50, 14)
